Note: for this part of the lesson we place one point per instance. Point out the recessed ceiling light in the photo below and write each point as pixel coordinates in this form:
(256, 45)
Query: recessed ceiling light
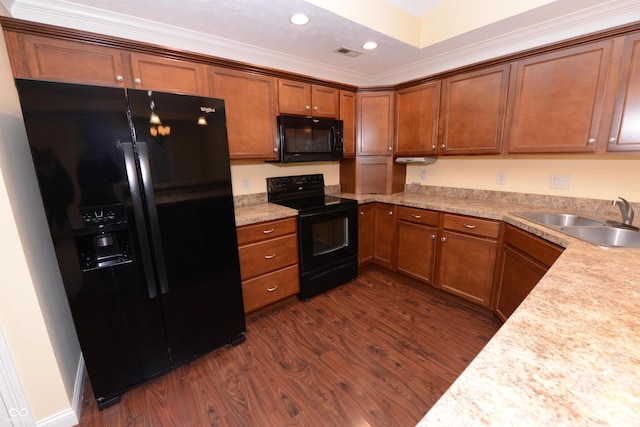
(299, 19)
(370, 45)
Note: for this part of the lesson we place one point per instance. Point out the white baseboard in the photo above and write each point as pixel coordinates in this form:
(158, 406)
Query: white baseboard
(69, 417)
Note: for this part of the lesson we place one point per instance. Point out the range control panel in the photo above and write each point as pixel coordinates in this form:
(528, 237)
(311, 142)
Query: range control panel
(293, 184)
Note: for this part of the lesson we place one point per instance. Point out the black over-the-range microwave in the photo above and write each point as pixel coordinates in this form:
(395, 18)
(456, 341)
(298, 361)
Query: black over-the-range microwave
(309, 139)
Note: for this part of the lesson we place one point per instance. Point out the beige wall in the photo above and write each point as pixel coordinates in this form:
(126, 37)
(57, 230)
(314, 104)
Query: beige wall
(257, 172)
(593, 177)
(33, 311)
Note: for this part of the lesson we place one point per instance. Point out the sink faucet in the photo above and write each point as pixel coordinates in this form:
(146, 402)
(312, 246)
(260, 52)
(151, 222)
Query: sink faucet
(625, 209)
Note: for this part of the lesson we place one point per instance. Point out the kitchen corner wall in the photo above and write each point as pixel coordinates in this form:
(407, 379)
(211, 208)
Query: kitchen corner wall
(34, 314)
(594, 177)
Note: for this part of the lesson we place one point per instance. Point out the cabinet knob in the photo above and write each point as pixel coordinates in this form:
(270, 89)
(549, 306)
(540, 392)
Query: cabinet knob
(390, 148)
(361, 213)
(591, 141)
(137, 81)
(443, 239)
(306, 107)
(433, 237)
(612, 140)
(443, 146)
(390, 213)
(433, 147)
(315, 108)
(119, 78)
(275, 149)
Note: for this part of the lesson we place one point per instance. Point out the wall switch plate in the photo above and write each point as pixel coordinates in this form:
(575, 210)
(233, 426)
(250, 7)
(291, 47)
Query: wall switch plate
(501, 178)
(246, 183)
(560, 181)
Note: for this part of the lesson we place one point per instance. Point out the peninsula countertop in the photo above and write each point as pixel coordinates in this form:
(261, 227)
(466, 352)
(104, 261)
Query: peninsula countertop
(569, 355)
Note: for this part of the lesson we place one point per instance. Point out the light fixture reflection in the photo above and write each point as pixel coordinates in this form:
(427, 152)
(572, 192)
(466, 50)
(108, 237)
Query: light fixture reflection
(202, 121)
(154, 119)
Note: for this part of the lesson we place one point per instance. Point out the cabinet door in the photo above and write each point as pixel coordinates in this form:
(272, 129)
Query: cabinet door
(625, 129)
(416, 250)
(519, 274)
(43, 58)
(383, 235)
(466, 266)
(365, 234)
(169, 75)
(249, 101)
(348, 117)
(325, 102)
(473, 112)
(375, 123)
(558, 100)
(294, 97)
(416, 121)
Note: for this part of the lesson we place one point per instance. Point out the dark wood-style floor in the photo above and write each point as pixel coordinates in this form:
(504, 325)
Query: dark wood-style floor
(378, 351)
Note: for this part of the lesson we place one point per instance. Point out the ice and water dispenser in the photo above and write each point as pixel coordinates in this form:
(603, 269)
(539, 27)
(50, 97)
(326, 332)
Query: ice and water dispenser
(102, 236)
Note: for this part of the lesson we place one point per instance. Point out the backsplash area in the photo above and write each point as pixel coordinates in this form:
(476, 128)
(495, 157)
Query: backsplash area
(552, 202)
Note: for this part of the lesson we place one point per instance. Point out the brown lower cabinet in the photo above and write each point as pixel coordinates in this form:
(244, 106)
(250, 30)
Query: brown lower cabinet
(417, 230)
(365, 234)
(467, 257)
(524, 260)
(384, 226)
(268, 254)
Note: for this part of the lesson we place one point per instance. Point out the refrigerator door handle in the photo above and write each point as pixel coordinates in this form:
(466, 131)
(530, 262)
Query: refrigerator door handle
(156, 240)
(138, 211)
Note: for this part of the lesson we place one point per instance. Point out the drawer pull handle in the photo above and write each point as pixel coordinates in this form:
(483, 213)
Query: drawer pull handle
(271, 230)
(272, 289)
(270, 256)
(470, 226)
(416, 216)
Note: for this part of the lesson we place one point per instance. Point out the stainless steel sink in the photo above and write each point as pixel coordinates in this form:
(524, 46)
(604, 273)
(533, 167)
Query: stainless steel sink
(600, 233)
(611, 237)
(558, 220)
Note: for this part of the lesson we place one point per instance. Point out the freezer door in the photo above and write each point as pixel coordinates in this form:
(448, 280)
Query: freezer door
(78, 137)
(184, 161)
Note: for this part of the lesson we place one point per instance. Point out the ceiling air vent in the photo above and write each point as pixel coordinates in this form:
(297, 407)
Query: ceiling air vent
(347, 52)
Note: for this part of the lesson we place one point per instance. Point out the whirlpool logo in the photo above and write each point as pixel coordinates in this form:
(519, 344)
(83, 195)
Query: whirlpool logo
(207, 110)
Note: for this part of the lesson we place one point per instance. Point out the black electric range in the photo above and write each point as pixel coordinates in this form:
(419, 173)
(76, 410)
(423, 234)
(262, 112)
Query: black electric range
(327, 231)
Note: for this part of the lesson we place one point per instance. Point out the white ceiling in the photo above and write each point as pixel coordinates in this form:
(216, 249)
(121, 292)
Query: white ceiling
(258, 32)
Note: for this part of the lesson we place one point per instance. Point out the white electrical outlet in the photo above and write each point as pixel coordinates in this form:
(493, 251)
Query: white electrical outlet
(246, 183)
(423, 174)
(560, 181)
(501, 178)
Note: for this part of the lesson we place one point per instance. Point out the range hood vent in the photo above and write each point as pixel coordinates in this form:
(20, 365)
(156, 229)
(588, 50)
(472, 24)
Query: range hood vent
(416, 160)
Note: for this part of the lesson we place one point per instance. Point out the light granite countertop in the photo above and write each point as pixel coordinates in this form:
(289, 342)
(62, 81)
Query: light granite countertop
(568, 356)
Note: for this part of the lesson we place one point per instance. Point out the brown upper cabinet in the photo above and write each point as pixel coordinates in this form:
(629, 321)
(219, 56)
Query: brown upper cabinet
(250, 110)
(152, 72)
(472, 112)
(375, 123)
(416, 121)
(44, 58)
(348, 117)
(558, 99)
(625, 129)
(304, 99)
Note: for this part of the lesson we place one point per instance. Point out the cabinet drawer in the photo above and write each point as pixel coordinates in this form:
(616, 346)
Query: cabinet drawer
(471, 225)
(418, 216)
(269, 288)
(263, 257)
(266, 230)
(538, 249)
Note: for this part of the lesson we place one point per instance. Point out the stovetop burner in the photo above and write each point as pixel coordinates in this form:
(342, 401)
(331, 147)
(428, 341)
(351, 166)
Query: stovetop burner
(302, 192)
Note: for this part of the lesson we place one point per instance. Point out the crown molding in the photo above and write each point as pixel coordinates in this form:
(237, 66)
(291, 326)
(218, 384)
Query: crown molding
(470, 48)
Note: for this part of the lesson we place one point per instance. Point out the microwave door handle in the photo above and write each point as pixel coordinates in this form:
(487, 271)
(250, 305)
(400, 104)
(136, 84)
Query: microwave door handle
(138, 213)
(332, 142)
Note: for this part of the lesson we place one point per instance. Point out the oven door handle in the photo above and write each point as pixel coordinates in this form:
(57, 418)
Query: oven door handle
(332, 210)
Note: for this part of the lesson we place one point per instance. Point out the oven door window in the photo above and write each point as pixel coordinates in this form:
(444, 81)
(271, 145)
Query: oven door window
(330, 236)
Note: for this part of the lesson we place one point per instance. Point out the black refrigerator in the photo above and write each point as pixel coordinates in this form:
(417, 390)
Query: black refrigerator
(136, 187)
